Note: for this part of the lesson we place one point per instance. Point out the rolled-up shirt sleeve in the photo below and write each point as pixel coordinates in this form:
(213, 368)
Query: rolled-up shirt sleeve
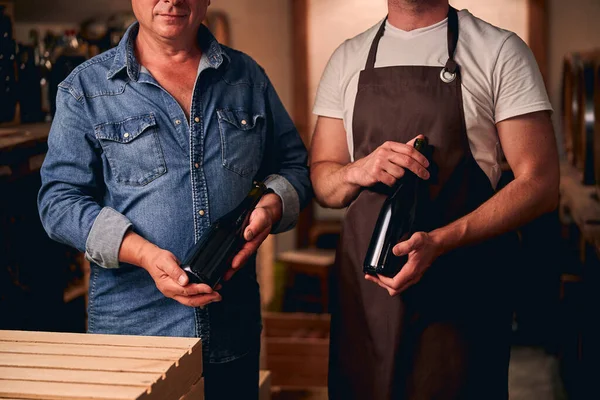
(286, 167)
(289, 200)
(72, 184)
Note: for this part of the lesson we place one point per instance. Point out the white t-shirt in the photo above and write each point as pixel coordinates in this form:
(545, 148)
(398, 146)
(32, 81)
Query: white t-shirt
(500, 77)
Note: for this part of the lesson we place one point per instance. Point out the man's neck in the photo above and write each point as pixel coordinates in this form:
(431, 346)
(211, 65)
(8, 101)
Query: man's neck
(156, 51)
(414, 14)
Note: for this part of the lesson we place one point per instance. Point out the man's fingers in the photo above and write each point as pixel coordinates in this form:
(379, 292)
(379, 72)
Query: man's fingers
(385, 178)
(230, 272)
(197, 288)
(398, 284)
(199, 300)
(249, 248)
(171, 289)
(242, 256)
(408, 161)
(406, 274)
(394, 170)
(391, 291)
(375, 280)
(408, 150)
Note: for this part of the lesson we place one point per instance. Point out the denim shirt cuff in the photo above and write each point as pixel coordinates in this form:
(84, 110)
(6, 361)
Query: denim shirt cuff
(289, 200)
(105, 237)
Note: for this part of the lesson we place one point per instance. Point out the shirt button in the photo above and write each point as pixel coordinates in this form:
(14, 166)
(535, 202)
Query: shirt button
(244, 122)
(201, 212)
(126, 135)
(197, 119)
(197, 165)
(177, 121)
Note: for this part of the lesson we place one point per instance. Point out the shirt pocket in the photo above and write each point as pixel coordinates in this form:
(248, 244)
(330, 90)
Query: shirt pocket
(133, 149)
(242, 139)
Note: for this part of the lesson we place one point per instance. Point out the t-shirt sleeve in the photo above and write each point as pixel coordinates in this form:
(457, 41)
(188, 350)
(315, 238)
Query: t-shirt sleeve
(329, 98)
(518, 84)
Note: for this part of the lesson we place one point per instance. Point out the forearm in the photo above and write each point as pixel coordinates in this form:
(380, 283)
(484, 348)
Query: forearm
(521, 201)
(331, 184)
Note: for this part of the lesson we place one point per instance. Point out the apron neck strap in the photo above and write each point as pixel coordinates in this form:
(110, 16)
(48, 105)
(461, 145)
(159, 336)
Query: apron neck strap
(451, 65)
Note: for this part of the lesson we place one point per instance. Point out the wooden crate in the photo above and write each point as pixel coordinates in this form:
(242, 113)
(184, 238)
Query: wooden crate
(47, 365)
(297, 349)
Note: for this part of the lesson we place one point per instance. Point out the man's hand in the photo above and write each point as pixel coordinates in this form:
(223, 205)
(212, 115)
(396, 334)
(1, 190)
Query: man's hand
(268, 212)
(422, 250)
(387, 164)
(163, 267)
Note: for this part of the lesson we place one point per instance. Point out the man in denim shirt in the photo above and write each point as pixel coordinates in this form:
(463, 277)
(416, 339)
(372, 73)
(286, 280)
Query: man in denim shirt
(152, 141)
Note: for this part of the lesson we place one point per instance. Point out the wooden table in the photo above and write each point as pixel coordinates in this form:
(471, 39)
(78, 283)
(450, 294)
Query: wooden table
(45, 365)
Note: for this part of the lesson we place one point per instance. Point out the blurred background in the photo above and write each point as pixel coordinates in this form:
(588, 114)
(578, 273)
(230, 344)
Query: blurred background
(43, 285)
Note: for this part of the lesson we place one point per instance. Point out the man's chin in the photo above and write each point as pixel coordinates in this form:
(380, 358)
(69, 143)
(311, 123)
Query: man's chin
(171, 32)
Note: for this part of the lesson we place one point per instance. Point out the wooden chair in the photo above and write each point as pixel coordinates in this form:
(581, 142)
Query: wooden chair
(310, 262)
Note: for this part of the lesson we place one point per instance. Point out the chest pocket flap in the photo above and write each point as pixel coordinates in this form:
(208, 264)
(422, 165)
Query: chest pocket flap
(132, 148)
(242, 140)
(127, 130)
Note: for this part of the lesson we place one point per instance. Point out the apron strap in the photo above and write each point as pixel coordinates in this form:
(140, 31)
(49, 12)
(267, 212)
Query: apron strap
(451, 65)
(373, 51)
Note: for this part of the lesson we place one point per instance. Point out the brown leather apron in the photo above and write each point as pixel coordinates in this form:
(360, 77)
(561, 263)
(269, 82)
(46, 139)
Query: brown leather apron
(446, 337)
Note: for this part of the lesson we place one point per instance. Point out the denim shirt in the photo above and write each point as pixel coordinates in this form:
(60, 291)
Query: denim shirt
(122, 155)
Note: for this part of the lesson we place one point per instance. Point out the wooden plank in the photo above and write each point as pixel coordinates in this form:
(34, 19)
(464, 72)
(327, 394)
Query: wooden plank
(83, 363)
(289, 371)
(538, 34)
(79, 376)
(264, 385)
(179, 378)
(196, 392)
(289, 324)
(11, 398)
(302, 348)
(91, 350)
(265, 270)
(71, 391)
(110, 340)
(318, 257)
(301, 111)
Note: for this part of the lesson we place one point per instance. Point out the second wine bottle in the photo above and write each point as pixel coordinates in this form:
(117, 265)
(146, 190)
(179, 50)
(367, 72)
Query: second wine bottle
(396, 221)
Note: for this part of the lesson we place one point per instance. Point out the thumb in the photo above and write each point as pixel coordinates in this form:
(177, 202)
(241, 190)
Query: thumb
(412, 141)
(259, 221)
(172, 269)
(402, 248)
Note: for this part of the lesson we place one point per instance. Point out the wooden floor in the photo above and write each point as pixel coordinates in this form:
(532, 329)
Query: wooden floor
(533, 375)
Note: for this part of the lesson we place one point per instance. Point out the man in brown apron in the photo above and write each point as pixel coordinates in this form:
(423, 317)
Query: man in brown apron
(439, 329)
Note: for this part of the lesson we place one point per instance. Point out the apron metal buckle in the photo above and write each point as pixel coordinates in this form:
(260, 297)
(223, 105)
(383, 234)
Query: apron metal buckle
(447, 76)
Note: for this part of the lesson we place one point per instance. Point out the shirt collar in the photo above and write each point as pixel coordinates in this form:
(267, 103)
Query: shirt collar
(125, 54)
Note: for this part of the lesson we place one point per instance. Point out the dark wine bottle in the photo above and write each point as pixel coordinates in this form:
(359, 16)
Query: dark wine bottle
(209, 259)
(396, 222)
